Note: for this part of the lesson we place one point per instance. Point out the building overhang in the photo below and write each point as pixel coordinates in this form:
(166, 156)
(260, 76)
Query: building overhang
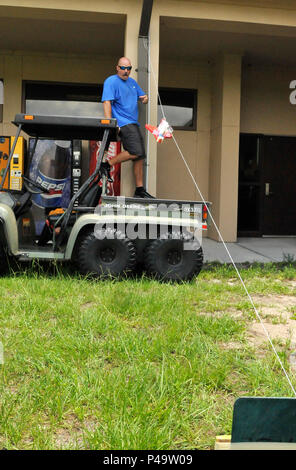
(61, 31)
(194, 39)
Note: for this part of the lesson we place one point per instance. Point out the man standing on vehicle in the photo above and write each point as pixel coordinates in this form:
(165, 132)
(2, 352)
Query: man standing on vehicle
(121, 94)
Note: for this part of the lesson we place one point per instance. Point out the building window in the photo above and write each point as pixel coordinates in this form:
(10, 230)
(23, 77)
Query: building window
(58, 99)
(179, 106)
(1, 99)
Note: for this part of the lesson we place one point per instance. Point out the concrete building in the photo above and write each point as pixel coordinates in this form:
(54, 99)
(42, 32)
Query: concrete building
(226, 72)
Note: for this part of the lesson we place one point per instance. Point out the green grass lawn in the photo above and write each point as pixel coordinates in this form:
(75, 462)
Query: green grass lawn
(133, 364)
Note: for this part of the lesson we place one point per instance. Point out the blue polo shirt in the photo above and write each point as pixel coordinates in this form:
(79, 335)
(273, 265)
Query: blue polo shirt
(124, 95)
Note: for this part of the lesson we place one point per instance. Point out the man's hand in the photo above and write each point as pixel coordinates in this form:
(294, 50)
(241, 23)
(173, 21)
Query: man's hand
(144, 99)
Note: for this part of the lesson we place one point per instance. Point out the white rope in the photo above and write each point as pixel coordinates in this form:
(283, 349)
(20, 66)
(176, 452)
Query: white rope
(224, 244)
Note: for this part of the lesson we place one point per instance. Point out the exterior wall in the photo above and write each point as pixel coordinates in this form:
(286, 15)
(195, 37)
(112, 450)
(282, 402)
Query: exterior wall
(212, 151)
(225, 128)
(23, 66)
(265, 103)
(57, 68)
(16, 66)
(222, 166)
(173, 179)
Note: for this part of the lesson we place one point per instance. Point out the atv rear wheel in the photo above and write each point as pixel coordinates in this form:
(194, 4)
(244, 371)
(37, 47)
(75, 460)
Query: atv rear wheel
(107, 254)
(166, 259)
(4, 261)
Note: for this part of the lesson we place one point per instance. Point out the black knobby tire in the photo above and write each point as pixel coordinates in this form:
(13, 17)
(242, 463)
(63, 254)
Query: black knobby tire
(106, 254)
(4, 262)
(166, 259)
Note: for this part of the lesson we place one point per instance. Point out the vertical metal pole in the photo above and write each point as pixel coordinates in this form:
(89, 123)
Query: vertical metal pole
(102, 150)
(143, 71)
(33, 151)
(144, 84)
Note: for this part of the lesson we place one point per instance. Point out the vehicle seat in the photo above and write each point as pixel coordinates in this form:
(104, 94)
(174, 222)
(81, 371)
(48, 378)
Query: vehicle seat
(49, 226)
(22, 204)
(92, 196)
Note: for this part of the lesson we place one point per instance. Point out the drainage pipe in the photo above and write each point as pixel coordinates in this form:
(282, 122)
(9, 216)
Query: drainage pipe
(143, 73)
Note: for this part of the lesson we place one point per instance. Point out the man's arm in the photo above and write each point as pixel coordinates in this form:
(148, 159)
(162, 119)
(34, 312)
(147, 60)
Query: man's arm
(107, 109)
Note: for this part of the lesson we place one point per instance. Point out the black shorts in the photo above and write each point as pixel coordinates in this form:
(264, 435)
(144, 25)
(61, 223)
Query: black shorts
(132, 140)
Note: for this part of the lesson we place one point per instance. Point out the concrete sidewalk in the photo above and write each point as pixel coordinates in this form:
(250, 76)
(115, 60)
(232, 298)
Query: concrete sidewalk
(250, 250)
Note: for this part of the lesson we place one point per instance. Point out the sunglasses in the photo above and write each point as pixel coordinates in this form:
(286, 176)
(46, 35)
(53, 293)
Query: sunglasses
(122, 67)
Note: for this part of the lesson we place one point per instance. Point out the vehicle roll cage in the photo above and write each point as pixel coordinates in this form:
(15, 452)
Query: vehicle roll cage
(65, 128)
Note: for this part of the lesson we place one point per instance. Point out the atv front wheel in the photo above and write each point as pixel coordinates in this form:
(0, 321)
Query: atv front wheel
(106, 254)
(4, 262)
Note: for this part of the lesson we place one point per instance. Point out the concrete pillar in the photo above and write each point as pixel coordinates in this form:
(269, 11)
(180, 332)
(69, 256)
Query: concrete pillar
(13, 90)
(224, 154)
(153, 101)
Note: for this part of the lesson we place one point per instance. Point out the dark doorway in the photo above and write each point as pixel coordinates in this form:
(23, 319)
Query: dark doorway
(267, 189)
(249, 188)
(279, 186)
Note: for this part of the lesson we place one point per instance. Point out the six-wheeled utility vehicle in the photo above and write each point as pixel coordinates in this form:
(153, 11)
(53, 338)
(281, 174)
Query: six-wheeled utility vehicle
(104, 235)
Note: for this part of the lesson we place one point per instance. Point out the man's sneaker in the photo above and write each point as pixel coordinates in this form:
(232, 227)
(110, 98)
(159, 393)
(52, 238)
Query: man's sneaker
(140, 192)
(105, 170)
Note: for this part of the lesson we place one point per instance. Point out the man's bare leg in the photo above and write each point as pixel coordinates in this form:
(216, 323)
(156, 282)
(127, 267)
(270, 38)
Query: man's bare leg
(138, 169)
(138, 165)
(121, 157)
(138, 172)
